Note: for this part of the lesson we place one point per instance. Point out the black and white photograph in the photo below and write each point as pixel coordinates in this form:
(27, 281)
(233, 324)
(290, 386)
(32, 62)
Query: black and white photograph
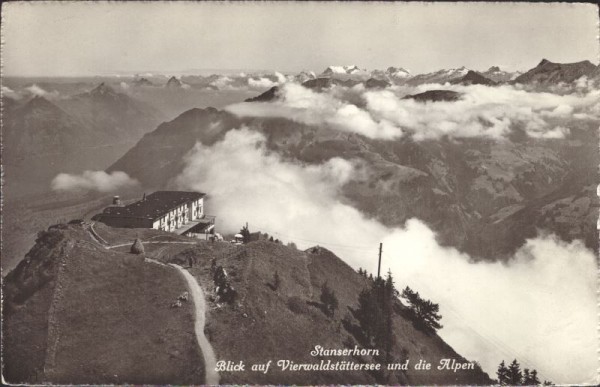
(300, 193)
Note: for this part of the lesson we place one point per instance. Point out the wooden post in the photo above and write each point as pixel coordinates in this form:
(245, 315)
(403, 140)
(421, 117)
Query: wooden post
(379, 265)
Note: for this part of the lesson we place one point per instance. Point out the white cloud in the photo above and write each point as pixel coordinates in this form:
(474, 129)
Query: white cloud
(222, 83)
(482, 111)
(539, 308)
(261, 83)
(281, 79)
(584, 83)
(561, 111)
(8, 92)
(558, 132)
(304, 105)
(267, 81)
(39, 92)
(92, 181)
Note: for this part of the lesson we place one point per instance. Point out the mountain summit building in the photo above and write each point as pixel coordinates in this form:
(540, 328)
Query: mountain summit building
(174, 211)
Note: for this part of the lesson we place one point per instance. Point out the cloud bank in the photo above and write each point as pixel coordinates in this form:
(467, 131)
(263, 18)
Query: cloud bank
(10, 93)
(304, 105)
(540, 308)
(482, 111)
(92, 181)
(30, 91)
(35, 90)
(263, 82)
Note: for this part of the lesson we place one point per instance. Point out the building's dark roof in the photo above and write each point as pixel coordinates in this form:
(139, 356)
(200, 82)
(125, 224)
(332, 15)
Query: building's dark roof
(154, 205)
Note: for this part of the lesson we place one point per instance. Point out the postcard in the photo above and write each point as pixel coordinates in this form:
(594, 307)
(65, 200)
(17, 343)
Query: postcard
(307, 193)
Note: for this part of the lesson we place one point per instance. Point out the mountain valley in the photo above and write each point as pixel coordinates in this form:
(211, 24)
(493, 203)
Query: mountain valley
(488, 162)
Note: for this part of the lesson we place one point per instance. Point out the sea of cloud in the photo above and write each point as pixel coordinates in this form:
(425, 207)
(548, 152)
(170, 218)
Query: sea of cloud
(540, 307)
(93, 181)
(481, 111)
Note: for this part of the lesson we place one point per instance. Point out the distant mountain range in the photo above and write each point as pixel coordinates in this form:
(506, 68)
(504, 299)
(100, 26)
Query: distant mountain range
(545, 74)
(87, 130)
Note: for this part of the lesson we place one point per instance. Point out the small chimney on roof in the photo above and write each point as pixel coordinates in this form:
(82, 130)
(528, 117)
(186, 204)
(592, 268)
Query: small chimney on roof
(144, 197)
(116, 200)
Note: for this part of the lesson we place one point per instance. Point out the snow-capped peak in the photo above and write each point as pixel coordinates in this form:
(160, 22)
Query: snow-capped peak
(398, 72)
(461, 70)
(352, 69)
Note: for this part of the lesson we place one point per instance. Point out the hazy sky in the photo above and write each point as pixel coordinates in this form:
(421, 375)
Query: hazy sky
(99, 38)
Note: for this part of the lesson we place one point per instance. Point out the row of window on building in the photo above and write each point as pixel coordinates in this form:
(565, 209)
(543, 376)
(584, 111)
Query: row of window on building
(180, 216)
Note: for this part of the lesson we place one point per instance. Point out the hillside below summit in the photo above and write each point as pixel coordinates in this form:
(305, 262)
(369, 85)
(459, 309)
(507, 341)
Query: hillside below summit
(79, 312)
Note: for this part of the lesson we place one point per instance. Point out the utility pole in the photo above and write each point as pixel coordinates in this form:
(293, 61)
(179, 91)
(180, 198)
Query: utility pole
(379, 265)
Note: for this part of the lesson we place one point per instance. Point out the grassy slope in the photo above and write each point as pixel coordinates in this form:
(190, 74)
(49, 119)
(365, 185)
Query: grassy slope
(267, 324)
(111, 316)
(110, 321)
(27, 329)
(417, 344)
(27, 296)
(22, 217)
